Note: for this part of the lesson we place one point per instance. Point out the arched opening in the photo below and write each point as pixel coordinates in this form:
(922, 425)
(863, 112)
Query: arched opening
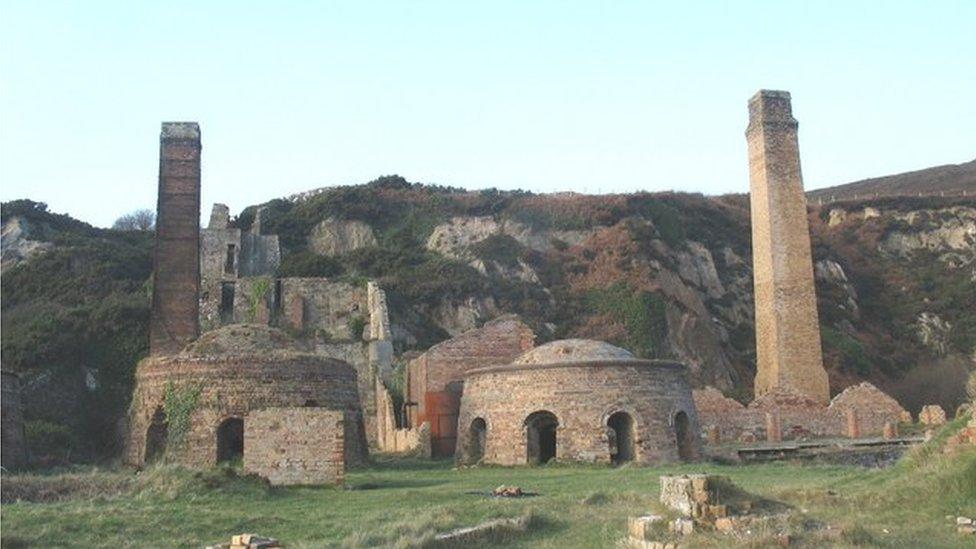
(156, 436)
(230, 440)
(540, 428)
(621, 435)
(476, 440)
(683, 437)
(310, 403)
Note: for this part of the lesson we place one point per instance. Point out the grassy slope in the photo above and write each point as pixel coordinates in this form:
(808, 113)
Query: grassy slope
(579, 506)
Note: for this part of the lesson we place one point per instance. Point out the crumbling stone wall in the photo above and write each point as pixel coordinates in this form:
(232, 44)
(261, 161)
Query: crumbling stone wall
(14, 448)
(226, 256)
(174, 318)
(788, 353)
(582, 396)
(232, 386)
(394, 439)
(798, 415)
(295, 446)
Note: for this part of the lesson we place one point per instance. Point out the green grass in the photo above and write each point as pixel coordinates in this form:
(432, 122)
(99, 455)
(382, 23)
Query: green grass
(403, 502)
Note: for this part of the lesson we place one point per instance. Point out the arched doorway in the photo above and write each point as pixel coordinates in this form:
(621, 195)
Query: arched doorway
(621, 436)
(683, 437)
(476, 440)
(540, 428)
(230, 440)
(156, 436)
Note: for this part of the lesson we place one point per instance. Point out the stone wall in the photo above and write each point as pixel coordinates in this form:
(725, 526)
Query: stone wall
(295, 446)
(227, 255)
(392, 438)
(788, 353)
(174, 319)
(14, 448)
(582, 397)
(233, 387)
(798, 416)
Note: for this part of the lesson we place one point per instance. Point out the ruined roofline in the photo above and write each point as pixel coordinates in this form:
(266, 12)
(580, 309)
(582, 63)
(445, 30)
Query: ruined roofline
(597, 363)
(473, 331)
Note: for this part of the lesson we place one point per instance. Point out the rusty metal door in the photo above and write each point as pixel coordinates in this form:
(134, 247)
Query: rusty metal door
(442, 412)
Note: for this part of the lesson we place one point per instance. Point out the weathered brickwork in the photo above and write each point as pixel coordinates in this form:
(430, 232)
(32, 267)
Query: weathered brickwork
(13, 449)
(788, 350)
(435, 379)
(799, 416)
(295, 446)
(583, 394)
(232, 385)
(176, 282)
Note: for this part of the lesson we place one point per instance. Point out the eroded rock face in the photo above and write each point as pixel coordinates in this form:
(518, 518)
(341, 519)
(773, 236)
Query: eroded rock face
(933, 332)
(16, 243)
(695, 264)
(457, 317)
(334, 237)
(950, 232)
(455, 237)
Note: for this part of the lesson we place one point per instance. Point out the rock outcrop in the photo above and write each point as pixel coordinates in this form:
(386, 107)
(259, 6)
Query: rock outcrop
(333, 237)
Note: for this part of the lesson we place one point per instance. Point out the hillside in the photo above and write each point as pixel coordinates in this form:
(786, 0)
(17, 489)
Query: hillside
(951, 179)
(664, 275)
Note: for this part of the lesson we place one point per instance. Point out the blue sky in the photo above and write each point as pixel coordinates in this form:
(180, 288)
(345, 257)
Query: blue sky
(546, 96)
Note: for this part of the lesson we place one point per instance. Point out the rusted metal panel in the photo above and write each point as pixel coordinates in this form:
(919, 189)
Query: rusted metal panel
(441, 410)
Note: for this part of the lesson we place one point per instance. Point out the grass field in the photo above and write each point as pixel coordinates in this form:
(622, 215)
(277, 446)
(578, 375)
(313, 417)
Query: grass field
(402, 502)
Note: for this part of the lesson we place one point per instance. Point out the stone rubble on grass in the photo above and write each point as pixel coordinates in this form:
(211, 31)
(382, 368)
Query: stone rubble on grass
(507, 492)
(966, 525)
(248, 541)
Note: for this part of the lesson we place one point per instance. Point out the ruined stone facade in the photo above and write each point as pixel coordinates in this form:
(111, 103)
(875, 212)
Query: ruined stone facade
(435, 379)
(295, 446)
(578, 400)
(797, 415)
(227, 255)
(174, 320)
(787, 329)
(216, 383)
(13, 449)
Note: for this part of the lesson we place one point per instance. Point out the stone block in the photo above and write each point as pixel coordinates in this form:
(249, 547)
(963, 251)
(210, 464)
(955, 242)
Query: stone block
(646, 527)
(932, 415)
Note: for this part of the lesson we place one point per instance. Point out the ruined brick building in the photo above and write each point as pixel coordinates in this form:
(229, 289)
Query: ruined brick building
(791, 388)
(434, 380)
(194, 394)
(578, 400)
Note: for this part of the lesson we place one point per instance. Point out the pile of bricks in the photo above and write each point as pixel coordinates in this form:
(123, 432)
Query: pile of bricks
(710, 502)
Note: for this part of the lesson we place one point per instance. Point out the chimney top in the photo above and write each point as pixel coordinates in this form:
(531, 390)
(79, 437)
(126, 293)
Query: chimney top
(180, 130)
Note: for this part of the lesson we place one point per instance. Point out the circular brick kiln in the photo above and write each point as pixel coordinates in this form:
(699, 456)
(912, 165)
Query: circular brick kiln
(578, 400)
(192, 407)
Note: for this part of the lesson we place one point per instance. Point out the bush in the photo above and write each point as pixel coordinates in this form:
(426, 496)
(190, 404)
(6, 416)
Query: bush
(48, 442)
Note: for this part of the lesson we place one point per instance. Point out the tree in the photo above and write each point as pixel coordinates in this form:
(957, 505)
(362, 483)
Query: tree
(139, 220)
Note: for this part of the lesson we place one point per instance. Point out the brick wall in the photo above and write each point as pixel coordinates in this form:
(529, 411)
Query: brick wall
(443, 366)
(788, 353)
(799, 416)
(233, 387)
(295, 446)
(176, 267)
(582, 396)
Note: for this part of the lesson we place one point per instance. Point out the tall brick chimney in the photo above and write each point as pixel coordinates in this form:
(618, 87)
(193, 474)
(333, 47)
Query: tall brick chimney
(174, 320)
(788, 352)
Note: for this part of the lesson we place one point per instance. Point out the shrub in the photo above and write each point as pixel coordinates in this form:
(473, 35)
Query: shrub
(48, 442)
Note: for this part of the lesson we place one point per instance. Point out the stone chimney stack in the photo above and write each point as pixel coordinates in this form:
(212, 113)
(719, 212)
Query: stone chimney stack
(788, 351)
(174, 320)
